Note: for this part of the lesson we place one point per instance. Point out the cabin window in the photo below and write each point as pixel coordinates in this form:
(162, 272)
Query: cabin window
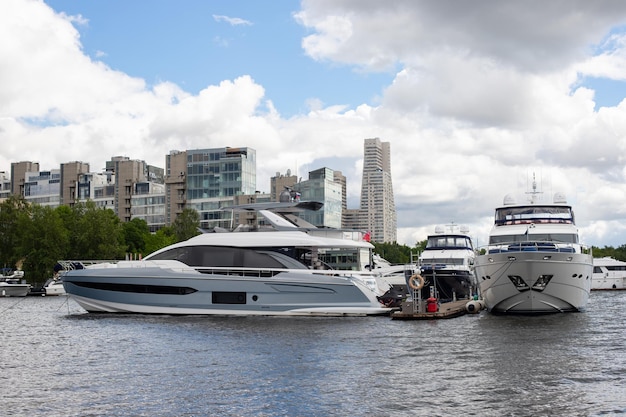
(228, 257)
(529, 214)
(539, 237)
(448, 242)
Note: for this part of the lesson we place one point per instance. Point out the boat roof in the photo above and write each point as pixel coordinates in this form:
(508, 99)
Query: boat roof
(268, 239)
(450, 235)
(606, 261)
(533, 205)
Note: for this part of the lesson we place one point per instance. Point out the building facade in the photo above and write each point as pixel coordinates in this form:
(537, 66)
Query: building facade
(18, 175)
(213, 177)
(377, 212)
(175, 184)
(43, 187)
(5, 185)
(69, 177)
(148, 204)
(97, 187)
(321, 186)
(127, 173)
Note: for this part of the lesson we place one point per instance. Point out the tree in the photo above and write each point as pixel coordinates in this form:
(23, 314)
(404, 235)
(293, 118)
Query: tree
(98, 234)
(44, 240)
(12, 212)
(394, 253)
(135, 233)
(162, 238)
(186, 224)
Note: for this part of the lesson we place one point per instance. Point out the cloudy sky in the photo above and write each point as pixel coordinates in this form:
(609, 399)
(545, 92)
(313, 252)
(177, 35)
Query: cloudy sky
(474, 96)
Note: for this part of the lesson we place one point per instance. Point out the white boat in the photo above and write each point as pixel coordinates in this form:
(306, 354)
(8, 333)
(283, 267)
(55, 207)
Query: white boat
(245, 273)
(608, 274)
(54, 286)
(12, 284)
(534, 262)
(447, 264)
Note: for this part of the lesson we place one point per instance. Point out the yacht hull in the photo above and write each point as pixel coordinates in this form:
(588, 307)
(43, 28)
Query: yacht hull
(450, 284)
(534, 282)
(55, 288)
(154, 290)
(14, 290)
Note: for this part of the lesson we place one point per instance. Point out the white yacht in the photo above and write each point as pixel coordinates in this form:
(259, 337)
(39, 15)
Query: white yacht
(447, 263)
(534, 262)
(12, 284)
(608, 274)
(283, 272)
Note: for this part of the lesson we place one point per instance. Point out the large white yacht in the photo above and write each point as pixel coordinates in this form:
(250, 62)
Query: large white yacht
(236, 273)
(447, 263)
(608, 274)
(534, 262)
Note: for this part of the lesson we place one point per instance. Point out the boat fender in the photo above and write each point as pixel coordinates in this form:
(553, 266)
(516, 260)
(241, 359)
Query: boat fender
(416, 285)
(473, 307)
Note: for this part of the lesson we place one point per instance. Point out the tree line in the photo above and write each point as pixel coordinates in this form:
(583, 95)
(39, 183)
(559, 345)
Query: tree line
(34, 237)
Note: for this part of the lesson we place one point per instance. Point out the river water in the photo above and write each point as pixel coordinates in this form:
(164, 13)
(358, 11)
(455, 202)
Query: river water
(57, 360)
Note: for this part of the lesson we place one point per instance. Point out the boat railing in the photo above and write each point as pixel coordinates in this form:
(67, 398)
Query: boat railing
(230, 270)
(68, 265)
(535, 246)
(534, 220)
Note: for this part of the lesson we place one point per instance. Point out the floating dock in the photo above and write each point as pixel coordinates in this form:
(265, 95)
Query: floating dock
(409, 311)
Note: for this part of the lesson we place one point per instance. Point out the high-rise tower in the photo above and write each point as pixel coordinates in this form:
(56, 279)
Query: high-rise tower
(378, 210)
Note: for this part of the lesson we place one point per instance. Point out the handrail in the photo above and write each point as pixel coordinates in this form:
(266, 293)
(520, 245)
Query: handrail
(535, 246)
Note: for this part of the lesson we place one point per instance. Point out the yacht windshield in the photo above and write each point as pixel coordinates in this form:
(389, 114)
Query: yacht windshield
(449, 242)
(534, 214)
(221, 256)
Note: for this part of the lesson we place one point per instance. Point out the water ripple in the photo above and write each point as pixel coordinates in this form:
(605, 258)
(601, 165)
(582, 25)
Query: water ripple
(59, 361)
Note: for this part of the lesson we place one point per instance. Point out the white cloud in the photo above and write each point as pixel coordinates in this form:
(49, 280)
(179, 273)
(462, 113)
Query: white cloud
(233, 21)
(485, 94)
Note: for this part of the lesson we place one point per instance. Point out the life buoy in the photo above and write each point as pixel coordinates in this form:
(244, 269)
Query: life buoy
(416, 286)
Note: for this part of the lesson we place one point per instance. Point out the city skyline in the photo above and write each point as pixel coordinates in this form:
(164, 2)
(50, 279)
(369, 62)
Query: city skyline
(207, 180)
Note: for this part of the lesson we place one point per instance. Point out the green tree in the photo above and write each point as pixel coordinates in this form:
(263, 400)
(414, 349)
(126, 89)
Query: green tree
(135, 233)
(162, 238)
(13, 211)
(186, 224)
(98, 233)
(394, 253)
(43, 241)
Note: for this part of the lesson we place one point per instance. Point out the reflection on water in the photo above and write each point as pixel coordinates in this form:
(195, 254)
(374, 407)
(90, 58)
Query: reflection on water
(59, 361)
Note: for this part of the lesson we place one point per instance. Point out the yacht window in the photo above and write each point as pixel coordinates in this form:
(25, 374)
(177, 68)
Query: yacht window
(226, 257)
(540, 237)
(449, 242)
(527, 214)
(616, 268)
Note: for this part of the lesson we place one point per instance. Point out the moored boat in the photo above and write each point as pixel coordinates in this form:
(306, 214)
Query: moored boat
(534, 262)
(608, 274)
(12, 283)
(53, 286)
(447, 264)
(285, 269)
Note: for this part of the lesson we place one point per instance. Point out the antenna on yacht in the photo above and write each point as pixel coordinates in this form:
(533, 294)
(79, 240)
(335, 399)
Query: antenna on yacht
(534, 192)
